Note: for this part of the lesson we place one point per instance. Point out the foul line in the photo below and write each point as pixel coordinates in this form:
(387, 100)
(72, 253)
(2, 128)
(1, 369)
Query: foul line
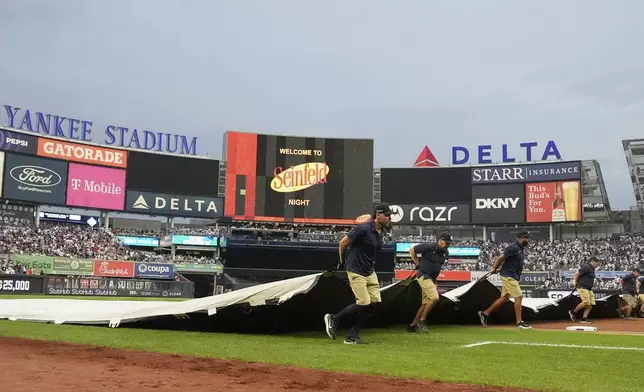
(553, 345)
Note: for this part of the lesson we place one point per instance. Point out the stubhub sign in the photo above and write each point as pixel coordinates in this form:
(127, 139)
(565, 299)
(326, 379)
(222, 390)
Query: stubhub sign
(486, 153)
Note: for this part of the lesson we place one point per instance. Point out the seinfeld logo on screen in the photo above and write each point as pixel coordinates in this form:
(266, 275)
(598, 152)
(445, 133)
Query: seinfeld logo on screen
(299, 177)
(363, 218)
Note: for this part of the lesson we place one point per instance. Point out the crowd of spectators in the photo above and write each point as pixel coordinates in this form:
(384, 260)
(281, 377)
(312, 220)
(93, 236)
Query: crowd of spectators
(619, 253)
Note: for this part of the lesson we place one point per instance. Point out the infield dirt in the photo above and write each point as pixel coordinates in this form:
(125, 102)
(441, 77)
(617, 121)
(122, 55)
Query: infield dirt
(35, 365)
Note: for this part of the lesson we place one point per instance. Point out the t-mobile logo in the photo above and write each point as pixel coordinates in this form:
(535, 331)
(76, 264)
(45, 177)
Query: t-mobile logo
(76, 183)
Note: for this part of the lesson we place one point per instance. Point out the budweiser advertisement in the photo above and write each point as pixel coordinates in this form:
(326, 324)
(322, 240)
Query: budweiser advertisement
(83, 153)
(298, 179)
(116, 269)
(558, 201)
(96, 187)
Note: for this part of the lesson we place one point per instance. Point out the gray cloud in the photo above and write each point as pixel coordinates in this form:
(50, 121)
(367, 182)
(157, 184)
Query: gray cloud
(407, 74)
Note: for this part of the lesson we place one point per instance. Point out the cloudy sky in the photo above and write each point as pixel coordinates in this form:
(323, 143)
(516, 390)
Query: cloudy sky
(405, 73)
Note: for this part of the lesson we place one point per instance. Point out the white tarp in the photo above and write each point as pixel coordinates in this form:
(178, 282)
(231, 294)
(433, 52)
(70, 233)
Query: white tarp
(115, 312)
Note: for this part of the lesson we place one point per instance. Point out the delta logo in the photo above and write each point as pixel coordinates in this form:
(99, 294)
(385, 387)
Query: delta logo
(299, 177)
(426, 159)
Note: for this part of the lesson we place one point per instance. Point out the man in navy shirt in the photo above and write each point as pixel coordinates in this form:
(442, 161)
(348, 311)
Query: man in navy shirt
(640, 283)
(434, 256)
(511, 265)
(362, 245)
(629, 292)
(583, 281)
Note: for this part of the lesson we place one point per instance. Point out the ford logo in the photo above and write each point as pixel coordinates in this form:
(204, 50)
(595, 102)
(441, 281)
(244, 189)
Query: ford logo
(35, 176)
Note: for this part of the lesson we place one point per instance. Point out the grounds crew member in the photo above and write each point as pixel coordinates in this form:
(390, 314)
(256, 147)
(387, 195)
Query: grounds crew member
(362, 245)
(640, 283)
(629, 293)
(583, 281)
(511, 265)
(433, 257)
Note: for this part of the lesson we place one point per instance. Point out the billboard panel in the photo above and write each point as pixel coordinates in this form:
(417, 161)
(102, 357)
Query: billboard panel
(425, 185)
(34, 179)
(18, 142)
(527, 173)
(154, 270)
(498, 203)
(430, 214)
(12, 214)
(96, 187)
(178, 205)
(558, 201)
(172, 174)
(298, 179)
(83, 153)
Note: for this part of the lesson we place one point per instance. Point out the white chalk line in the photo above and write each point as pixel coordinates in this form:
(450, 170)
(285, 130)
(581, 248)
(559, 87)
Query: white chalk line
(553, 345)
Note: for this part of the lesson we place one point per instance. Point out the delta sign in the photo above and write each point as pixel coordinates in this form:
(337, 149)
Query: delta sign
(488, 154)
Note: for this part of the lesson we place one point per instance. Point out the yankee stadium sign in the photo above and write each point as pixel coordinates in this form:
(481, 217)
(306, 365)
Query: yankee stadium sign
(77, 129)
(527, 173)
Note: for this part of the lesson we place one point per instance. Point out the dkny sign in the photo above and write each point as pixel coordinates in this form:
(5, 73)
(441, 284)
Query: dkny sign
(498, 204)
(176, 205)
(431, 214)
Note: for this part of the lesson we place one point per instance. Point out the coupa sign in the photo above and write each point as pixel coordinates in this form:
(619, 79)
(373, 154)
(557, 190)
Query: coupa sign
(154, 270)
(299, 177)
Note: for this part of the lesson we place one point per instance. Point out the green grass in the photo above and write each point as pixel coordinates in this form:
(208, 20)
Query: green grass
(392, 352)
(42, 296)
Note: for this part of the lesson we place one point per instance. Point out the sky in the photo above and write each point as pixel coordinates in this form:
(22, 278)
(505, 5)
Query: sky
(405, 73)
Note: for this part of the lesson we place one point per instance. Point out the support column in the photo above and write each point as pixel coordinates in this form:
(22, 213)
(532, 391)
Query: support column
(484, 233)
(37, 218)
(552, 232)
(106, 221)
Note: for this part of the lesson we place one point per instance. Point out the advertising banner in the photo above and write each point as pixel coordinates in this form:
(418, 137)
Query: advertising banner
(553, 201)
(72, 266)
(176, 205)
(12, 214)
(83, 153)
(17, 142)
(34, 179)
(172, 175)
(509, 234)
(430, 214)
(198, 240)
(499, 203)
(494, 279)
(453, 276)
(595, 207)
(154, 270)
(113, 287)
(14, 284)
(298, 179)
(199, 268)
(39, 264)
(599, 274)
(88, 220)
(435, 186)
(119, 269)
(452, 251)
(96, 187)
(527, 173)
(533, 278)
(138, 241)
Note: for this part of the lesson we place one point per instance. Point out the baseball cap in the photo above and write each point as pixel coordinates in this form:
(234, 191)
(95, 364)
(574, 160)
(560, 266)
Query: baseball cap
(445, 237)
(524, 234)
(382, 208)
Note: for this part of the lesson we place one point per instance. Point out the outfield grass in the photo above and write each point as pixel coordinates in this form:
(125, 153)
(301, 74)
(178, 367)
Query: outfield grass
(392, 352)
(94, 298)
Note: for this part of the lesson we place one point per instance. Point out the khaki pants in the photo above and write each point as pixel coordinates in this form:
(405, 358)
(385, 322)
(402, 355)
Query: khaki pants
(630, 300)
(365, 288)
(587, 297)
(510, 286)
(428, 289)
